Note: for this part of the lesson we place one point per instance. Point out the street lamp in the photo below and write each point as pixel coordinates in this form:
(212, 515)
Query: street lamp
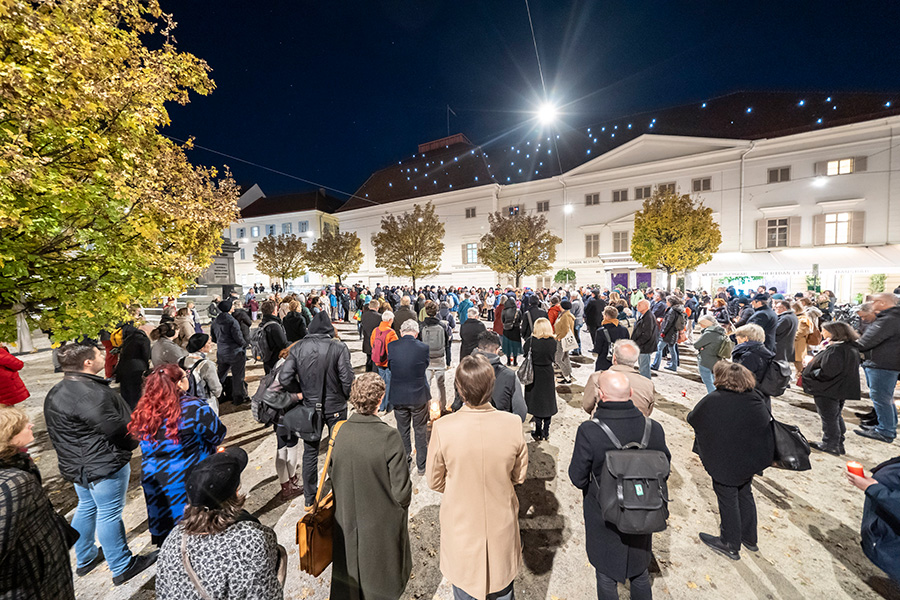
(547, 113)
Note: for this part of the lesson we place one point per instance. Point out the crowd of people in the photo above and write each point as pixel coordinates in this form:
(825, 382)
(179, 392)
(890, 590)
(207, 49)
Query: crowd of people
(515, 348)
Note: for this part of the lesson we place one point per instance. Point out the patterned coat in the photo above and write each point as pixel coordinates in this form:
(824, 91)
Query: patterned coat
(34, 558)
(166, 462)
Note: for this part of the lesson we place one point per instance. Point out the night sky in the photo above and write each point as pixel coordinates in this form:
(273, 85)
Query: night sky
(332, 91)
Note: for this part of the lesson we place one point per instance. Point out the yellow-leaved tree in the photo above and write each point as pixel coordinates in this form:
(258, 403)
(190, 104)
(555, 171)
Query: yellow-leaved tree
(335, 254)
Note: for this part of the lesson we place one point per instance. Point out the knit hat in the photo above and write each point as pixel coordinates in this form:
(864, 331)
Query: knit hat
(216, 478)
(565, 305)
(225, 305)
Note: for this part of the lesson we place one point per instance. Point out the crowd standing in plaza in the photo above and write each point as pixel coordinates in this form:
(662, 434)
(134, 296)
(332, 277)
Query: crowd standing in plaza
(515, 347)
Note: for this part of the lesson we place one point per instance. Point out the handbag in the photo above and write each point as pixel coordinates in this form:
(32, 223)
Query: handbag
(791, 448)
(525, 373)
(192, 575)
(315, 528)
(569, 342)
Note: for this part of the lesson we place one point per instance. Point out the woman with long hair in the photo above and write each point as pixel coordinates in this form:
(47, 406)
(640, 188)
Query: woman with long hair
(176, 432)
(165, 351)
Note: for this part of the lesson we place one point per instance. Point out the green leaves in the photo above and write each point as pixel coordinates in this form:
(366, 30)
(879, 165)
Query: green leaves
(518, 245)
(410, 245)
(335, 254)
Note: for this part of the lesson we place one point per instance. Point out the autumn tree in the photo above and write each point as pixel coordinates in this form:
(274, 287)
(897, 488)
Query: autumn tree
(518, 245)
(673, 232)
(335, 254)
(97, 208)
(410, 245)
(280, 257)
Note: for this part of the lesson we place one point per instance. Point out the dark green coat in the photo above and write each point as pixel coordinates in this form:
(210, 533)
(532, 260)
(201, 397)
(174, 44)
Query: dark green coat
(372, 492)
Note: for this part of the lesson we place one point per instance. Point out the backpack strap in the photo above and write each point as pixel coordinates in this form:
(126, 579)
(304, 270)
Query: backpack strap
(645, 439)
(612, 437)
(648, 426)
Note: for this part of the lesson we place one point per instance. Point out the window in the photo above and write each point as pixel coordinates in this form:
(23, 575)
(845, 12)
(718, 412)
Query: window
(620, 195)
(270, 230)
(285, 228)
(620, 241)
(592, 245)
(303, 226)
(666, 187)
(592, 199)
(254, 231)
(640, 193)
(843, 166)
(241, 232)
(776, 233)
(470, 213)
(514, 210)
(780, 174)
(837, 228)
(243, 255)
(543, 206)
(703, 184)
(470, 253)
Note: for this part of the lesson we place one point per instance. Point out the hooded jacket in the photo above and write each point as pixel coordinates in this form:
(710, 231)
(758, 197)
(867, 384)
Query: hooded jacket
(668, 329)
(755, 356)
(708, 344)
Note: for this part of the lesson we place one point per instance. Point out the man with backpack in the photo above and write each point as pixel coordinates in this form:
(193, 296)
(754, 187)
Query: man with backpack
(619, 539)
(383, 335)
(203, 381)
(267, 340)
(712, 346)
(435, 333)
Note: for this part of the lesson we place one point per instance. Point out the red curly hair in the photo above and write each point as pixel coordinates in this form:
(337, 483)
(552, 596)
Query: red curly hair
(159, 405)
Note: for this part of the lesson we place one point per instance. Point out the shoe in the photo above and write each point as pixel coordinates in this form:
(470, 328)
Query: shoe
(868, 427)
(289, 491)
(750, 547)
(823, 448)
(421, 472)
(535, 436)
(873, 435)
(82, 571)
(716, 543)
(654, 368)
(137, 565)
(673, 369)
(870, 414)
(547, 438)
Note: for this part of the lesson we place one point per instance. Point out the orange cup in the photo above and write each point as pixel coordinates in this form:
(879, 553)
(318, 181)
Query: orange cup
(855, 468)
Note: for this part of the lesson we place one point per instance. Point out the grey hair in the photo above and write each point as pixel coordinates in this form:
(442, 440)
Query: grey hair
(409, 326)
(387, 316)
(752, 332)
(707, 319)
(472, 313)
(626, 352)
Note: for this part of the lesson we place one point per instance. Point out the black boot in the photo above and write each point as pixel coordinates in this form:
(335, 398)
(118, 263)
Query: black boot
(866, 415)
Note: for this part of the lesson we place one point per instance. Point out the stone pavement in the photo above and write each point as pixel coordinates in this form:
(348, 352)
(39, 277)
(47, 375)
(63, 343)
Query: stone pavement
(809, 522)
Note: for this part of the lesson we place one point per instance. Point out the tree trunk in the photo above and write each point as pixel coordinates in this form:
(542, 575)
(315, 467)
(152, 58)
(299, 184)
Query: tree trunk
(414, 282)
(518, 278)
(670, 275)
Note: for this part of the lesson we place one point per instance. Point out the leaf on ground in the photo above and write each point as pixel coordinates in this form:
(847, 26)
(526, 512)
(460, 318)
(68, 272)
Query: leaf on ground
(708, 578)
(692, 585)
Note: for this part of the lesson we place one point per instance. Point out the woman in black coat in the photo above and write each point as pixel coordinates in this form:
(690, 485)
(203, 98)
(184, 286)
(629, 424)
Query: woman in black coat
(294, 323)
(751, 352)
(534, 309)
(734, 438)
(616, 556)
(615, 331)
(134, 362)
(833, 377)
(540, 394)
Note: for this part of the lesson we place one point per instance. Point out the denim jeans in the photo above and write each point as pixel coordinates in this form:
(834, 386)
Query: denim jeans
(644, 365)
(385, 374)
(99, 512)
(881, 384)
(506, 593)
(673, 355)
(707, 376)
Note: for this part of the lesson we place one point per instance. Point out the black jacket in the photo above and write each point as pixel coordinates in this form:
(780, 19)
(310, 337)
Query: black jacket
(87, 423)
(881, 342)
(601, 347)
(593, 312)
(766, 318)
(275, 336)
(404, 313)
(507, 394)
(833, 373)
(646, 333)
(134, 355)
(669, 327)
(371, 319)
(319, 365)
(614, 554)
(242, 315)
(408, 360)
(512, 321)
(881, 518)
(733, 435)
(536, 313)
(294, 326)
(230, 340)
(468, 333)
(755, 356)
(785, 332)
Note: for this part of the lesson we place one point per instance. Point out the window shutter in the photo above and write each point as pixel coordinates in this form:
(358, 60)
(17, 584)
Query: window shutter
(761, 225)
(773, 175)
(819, 230)
(857, 227)
(822, 167)
(859, 163)
(793, 231)
(464, 256)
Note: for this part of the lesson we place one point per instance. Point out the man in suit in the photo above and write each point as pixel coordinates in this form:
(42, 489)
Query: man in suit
(785, 331)
(765, 317)
(408, 362)
(645, 335)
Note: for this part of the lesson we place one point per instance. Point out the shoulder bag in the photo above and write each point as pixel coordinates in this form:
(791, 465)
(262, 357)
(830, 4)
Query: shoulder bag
(526, 371)
(791, 448)
(315, 529)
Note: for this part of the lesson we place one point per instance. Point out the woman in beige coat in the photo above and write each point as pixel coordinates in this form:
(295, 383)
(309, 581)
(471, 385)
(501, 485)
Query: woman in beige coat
(184, 326)
(478, 452)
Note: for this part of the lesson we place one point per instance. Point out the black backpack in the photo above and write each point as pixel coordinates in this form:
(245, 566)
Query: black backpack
(270, 401)
(632, 490)
(776, 379)
(196, 386)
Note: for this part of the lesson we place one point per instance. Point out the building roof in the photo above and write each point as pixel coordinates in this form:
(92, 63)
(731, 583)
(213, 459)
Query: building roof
(455, 163)
(287, 203)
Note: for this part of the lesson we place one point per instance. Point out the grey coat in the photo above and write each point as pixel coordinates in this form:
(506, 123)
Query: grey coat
(166, 352)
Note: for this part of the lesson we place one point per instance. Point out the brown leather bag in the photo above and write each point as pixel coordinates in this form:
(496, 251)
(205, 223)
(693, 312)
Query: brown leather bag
(315, 529)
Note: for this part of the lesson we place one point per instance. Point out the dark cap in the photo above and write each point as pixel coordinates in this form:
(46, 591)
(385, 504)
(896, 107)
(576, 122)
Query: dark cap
(197, 341)
(216, 478)
(761, 298)
(565, 305)
(225, 305)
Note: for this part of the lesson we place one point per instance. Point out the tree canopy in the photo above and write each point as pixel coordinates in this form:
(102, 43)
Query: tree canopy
(335, 254)
(280, 257)
(673, 232)
(97, 209)
(410, 245)
(564, 276)
(518, 245)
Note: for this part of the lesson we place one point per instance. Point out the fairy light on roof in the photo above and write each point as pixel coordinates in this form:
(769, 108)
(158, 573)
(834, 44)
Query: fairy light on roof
(703, 105)
(887, 104)
(819, 121)
(801, 103)
(749, 109)
(828, 99)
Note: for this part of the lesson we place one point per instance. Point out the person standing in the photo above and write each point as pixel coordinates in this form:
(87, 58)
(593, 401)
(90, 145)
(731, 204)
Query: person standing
(435, 334)
(645, 335)
(202, 370)
(615, 556)
(12, 388)
(593, 314)
(274, 332)
(88, 425)
(294, 322)
(213, 309)
(133, 364)
(765, 317)
(751, 351)
(673, 322)
(164, 350)
(564, 325)
(176, 432)
(35, 538)
(446, 315)
(372, 493)
(318, 366)
(881, 345)
(184, 326)
(402, 314)
(409, 362)
(578, 314)
(230, 350)
(608, 333)
(540, 394)
(531, 314)
(469, 333)
(785, 331)
(708, 345)
(880, 531)
(370, 321)
(511, 341)
(381, 338)
(478, 452)
(643, 392)
(507, 395)
(734, 438)
(805, 326)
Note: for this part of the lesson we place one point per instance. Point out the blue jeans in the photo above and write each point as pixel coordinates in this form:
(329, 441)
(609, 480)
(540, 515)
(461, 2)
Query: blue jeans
(707, 376)
(881, 384)
(673, 355)
(644, 365)
(506, 593)
(385, 374)
(99, 511)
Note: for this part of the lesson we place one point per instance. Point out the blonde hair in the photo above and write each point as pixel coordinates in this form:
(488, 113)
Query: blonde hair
(542, 328)
(12, 421)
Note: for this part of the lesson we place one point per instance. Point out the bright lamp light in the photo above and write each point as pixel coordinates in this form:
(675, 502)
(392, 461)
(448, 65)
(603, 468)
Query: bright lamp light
(568, 209)
(820, 181)
(547, 113)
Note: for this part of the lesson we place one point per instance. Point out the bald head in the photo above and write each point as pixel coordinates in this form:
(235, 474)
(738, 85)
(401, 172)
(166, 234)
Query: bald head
(643, 306)
(883, 301)
(614, 387)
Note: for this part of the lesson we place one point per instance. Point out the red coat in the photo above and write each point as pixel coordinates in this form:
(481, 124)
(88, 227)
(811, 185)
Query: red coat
(553, 313)
(12, 390)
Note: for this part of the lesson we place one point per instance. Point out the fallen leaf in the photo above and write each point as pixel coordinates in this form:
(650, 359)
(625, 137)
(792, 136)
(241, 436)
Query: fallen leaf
(708, 578)
(692, 585)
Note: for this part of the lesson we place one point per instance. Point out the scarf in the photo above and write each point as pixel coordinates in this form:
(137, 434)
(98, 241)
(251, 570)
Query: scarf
(615, 322)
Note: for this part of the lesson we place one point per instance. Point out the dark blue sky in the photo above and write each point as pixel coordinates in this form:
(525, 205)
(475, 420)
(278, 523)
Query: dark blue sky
(332, 91)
